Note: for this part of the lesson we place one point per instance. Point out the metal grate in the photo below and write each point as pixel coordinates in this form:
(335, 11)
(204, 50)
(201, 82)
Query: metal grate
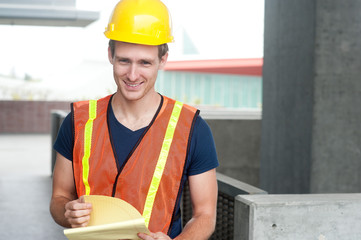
(225, 218)
(228, 189)
(186, 205)
(225, 214)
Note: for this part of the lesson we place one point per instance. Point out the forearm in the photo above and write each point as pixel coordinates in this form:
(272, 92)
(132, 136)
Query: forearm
(198, 228)
(57, 210)
(65, 207)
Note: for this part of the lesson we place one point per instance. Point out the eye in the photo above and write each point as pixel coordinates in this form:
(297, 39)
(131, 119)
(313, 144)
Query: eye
(145, 62)
(123, 60)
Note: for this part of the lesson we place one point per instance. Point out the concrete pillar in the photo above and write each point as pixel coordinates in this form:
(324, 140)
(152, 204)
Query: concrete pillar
(311, 123)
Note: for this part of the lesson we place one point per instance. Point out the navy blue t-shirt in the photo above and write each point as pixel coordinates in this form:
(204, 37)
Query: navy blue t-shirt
(201, 158)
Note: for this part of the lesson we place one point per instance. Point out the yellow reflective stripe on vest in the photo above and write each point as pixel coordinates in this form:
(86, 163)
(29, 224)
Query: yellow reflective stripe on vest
(158, 172)
(88, 131)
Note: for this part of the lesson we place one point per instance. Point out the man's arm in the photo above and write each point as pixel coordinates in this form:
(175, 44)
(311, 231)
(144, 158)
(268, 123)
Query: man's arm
(66, 210)
(203, 190)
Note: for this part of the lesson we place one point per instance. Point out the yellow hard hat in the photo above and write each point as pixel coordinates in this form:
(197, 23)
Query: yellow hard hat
(140, 21)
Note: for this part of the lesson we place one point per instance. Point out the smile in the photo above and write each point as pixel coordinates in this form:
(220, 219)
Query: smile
(133, 85)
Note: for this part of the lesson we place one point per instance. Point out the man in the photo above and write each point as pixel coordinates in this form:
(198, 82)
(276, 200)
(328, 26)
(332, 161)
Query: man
(136, 144)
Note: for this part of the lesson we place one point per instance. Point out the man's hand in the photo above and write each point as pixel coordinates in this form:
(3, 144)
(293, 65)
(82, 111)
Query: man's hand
(77, 212)
(64, 193)
(153, 236)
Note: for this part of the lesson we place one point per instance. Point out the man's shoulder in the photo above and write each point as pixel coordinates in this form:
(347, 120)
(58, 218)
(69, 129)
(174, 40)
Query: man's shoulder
(184, 105)
(201, 125)
(82, 103)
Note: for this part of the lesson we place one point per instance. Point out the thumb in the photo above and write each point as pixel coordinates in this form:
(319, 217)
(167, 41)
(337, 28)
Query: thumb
(82, 200)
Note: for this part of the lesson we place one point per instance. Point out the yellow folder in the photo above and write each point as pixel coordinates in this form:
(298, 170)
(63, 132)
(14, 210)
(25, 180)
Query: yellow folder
(111, 218)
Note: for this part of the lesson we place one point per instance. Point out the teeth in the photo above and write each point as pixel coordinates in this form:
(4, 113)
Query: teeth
(133, 85)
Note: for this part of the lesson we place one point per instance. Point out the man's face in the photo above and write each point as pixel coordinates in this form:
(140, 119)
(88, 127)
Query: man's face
(135, 69)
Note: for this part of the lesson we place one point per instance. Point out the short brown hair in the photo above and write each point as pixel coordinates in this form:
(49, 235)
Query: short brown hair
(162, 49)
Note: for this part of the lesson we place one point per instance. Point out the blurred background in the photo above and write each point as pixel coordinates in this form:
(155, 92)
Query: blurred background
(277, 81)
(69, 62)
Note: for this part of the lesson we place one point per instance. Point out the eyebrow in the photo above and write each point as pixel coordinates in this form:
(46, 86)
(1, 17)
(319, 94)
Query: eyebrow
(121, 58)
(142, 59)
(147, 60)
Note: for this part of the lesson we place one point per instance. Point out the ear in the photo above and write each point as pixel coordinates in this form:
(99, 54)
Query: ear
(110, 57)
(163, 61)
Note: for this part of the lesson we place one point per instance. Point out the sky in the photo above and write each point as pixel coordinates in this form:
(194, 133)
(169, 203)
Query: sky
(218, 29)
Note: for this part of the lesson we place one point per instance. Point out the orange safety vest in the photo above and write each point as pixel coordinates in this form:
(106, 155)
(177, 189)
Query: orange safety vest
(151, 177)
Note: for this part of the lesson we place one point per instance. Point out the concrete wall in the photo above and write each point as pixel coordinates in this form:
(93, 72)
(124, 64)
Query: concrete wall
(238, 147)
(311, 135)
(298, 217)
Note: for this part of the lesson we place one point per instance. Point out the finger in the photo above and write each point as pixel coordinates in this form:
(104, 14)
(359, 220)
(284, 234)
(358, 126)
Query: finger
(146, 236)
(77, 205)
(79, 222)
(77, 213)
(160, 235)
(82, 200)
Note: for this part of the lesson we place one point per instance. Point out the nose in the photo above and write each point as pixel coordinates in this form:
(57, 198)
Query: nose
(133, 73)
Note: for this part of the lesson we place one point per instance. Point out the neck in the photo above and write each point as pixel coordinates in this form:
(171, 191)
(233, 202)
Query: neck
(135, 114)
